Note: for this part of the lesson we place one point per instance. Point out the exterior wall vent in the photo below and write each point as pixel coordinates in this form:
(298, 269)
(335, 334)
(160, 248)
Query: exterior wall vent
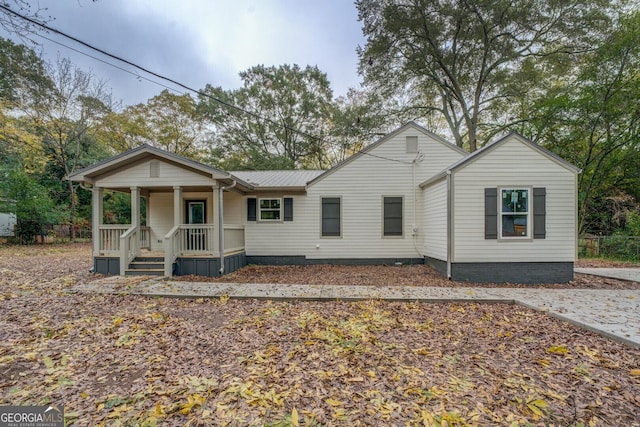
(412, 144)
(154, 169)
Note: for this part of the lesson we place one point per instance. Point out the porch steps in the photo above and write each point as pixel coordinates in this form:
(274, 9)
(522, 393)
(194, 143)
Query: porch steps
(146, 266)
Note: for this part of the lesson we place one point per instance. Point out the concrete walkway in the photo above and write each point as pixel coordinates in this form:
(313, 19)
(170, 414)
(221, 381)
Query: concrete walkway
(612, 313)
(632, 274)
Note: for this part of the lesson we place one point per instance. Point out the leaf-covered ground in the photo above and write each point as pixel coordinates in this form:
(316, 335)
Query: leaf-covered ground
(124, 360)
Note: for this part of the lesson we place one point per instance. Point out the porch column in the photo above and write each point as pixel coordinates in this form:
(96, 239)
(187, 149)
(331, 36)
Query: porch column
(177, 206)
(96, 218)
(135, 207)
(218, 218)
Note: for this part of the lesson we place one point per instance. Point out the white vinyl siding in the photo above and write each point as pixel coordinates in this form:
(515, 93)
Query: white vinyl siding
(139, 175)
(287, 238)
(159, 218)
(435, 220)
(233, 203)
(514, 165)
(361, 183)
(160, 214)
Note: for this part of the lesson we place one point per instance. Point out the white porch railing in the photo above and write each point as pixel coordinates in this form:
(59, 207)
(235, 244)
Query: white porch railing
(233, 238)
(129, 247)
(171, 250)
(110, 237)
(198, 240)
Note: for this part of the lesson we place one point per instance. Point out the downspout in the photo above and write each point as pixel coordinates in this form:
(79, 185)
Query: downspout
(449, 224)
(221, 191)
(414, 226)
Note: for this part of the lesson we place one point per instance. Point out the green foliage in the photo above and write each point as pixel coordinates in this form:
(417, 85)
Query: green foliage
(633, 223)
(593, 121)
(23, 74)
(289, 124)
(31, 202)
(167, 121)
(469, 62)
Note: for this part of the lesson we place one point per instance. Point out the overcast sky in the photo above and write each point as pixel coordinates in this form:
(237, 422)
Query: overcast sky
(205, 41)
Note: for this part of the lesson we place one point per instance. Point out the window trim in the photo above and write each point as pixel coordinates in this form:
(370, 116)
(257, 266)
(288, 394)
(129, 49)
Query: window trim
(529, 213)
(259, 209)
(322, 236)
(385, 236)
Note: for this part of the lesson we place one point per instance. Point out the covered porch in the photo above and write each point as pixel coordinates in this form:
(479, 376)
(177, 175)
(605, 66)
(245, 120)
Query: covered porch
(181, 236)
(193, 216)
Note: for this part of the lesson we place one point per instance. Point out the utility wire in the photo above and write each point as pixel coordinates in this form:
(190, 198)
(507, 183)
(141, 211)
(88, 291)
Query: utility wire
(136, 75)
(162, 77)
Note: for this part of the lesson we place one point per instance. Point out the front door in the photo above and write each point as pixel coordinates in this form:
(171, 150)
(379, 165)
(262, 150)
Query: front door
(196, 215)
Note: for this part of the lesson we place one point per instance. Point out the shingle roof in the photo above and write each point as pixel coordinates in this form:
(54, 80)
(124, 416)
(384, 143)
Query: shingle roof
(277, 179)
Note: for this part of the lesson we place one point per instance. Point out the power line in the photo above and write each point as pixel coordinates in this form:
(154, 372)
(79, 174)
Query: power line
(162, 77)
(146, 70)
(138, 76)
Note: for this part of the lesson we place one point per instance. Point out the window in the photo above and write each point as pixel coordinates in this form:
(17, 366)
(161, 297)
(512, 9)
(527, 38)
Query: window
(270, 209)
(331, 216)
(392, 212)
(514, 213)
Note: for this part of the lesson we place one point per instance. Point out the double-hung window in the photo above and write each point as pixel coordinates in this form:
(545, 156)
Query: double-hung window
(515, 213)
(270, 209)
(392, 216)
(331, 217)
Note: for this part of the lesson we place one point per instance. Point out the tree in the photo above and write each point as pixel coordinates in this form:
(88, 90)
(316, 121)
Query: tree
(282, 119)
(166, 121)
(30, 201)
(356, 118)
(23, 77)
(466, 60)
(593, 120)
(13, 23)
(64, 120)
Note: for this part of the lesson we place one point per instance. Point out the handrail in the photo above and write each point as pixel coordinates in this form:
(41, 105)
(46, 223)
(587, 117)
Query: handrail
(171, 250)
(109, 237)
(129, 247)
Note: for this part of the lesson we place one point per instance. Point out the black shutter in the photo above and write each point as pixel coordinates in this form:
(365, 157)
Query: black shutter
(288, 209)
(490, 213)
(251, 209)
(539, 213)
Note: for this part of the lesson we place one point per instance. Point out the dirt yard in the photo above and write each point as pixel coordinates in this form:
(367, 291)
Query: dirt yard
(122, 360)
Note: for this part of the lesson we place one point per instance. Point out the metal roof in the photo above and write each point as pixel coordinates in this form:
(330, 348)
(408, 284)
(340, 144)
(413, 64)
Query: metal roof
(277, 179)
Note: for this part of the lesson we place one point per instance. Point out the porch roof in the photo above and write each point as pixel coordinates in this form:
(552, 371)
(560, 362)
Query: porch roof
(141, 152)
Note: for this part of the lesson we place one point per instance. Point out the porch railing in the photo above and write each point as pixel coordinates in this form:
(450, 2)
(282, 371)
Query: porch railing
(171, 250)
(110, 237)
(129, 247)
(198, 239)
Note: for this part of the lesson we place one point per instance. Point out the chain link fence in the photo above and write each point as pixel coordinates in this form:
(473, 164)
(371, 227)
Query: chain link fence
(626, 248)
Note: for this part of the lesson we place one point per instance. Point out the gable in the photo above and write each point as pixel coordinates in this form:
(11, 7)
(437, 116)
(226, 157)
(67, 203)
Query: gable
(392, 151)
(152, 172)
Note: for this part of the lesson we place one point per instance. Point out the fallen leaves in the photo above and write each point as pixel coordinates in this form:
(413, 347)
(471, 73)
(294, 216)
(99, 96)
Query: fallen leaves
(126, 360)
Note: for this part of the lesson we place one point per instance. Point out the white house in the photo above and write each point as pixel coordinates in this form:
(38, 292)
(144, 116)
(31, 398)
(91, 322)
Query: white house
(505, 213)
